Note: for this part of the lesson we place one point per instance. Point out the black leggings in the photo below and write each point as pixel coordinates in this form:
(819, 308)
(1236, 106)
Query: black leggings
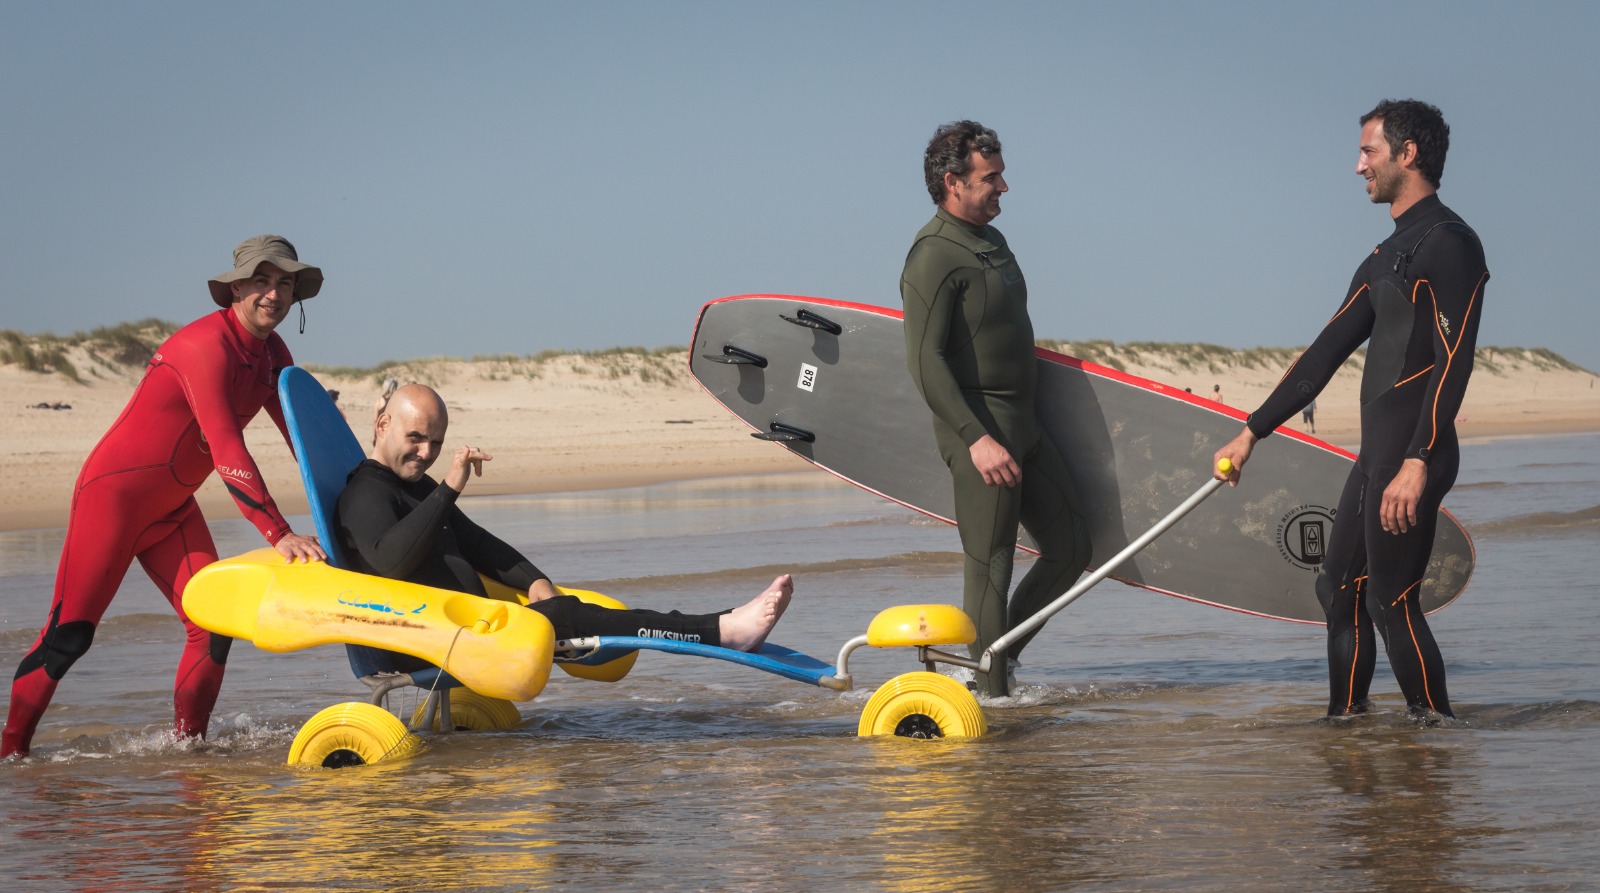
(1371, 579)
(574, 618)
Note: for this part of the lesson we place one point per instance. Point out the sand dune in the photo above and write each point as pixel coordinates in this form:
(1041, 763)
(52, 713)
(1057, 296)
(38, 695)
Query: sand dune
(620, 418)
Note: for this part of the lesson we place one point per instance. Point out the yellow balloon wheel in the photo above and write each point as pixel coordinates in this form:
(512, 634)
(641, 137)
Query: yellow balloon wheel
(352, 734)
(611, 671)
(922, 705)
(472, 712)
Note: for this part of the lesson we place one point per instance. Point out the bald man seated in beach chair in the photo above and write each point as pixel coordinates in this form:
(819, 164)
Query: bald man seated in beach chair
(395, 521)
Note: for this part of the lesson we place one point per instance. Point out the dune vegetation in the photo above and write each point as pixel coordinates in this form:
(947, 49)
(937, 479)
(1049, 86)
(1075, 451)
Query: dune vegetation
(121, 350)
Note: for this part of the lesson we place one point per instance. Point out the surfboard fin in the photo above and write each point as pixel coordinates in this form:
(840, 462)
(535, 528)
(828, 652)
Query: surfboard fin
(804, 317)
(737, 356)
(781, 433)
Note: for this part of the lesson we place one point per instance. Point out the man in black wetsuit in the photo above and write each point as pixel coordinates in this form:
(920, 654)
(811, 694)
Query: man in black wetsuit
(969, 347)
(394, 521)
(1418, 298)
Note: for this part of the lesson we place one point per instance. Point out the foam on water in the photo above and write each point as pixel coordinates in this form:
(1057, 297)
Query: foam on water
(228, 735)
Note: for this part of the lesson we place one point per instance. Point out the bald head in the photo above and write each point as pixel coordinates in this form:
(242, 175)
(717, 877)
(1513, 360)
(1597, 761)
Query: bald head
(419, 398)
(409, 433)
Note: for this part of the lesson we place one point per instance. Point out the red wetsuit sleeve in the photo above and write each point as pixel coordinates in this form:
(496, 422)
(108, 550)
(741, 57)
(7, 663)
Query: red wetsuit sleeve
(1346, 331)
(208, 371)
(1450, 278)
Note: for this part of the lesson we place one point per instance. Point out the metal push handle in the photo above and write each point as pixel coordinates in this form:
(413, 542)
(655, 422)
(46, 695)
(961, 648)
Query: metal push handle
(1088, 582)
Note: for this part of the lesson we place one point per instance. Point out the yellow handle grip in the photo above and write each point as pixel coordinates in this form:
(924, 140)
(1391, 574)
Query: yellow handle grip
(1224, 466)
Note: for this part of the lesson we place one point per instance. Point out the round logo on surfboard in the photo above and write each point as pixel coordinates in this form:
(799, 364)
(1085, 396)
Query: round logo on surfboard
(1303, 535)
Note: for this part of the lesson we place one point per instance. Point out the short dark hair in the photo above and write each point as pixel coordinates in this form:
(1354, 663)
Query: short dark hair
(950, 152)
(1411, 120)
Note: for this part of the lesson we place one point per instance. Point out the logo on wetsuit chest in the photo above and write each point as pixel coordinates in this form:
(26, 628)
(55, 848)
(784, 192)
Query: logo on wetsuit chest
(667, 634)
(1303, 535)
(1005, 264)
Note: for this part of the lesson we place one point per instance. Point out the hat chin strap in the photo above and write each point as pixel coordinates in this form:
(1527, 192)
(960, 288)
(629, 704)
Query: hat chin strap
(302, 304)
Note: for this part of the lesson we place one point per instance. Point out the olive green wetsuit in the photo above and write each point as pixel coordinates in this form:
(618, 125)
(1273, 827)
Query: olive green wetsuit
(969, 345)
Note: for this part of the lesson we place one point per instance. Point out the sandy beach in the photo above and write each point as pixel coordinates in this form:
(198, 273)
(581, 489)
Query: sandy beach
(625, 418)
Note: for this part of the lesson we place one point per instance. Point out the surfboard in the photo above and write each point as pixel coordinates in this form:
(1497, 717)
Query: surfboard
(325, 448)
(827, 380)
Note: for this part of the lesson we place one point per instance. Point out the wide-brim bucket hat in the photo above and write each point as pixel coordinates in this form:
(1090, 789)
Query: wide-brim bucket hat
(255, 251)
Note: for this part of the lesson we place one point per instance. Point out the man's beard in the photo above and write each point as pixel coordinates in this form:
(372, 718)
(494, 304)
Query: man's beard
(1386, 186)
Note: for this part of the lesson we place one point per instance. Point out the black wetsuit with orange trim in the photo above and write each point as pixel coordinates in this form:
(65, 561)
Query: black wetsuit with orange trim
(135, 500)
(1418, 298)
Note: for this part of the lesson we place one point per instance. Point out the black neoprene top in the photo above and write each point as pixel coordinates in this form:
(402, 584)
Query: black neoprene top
(1418, 297)
(413, 531)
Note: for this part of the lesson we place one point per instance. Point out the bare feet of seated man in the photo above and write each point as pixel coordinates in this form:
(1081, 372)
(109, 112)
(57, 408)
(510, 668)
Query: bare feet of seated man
(745, 628)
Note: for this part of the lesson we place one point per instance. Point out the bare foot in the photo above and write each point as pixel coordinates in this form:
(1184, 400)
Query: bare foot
(745, 628)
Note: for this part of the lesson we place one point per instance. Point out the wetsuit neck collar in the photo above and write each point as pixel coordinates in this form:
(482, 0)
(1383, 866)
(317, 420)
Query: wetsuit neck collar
(1421, 209)
(247, 342)
(983, 232)
(426, 484)
(378, 468)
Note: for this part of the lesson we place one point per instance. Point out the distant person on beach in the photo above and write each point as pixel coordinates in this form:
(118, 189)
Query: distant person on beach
(390, 385)
(397, 522)
(969, 346)
(1416, 301)
(134, 498)
(1308, 417)
(1216, 393)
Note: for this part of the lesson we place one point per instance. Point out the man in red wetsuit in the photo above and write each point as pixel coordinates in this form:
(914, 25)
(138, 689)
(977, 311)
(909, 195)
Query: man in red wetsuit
(135, 495)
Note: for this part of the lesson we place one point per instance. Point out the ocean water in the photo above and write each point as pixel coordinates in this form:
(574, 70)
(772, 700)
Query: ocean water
(1153, 744)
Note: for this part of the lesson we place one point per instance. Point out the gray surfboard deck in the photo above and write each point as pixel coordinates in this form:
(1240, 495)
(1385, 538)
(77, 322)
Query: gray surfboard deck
(835, 372)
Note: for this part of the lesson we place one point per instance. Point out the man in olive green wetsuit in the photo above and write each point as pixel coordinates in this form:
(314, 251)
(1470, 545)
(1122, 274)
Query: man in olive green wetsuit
(969, 345)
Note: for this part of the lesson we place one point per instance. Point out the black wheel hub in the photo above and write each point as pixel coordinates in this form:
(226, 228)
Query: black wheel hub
(918, 725)
(343, 759)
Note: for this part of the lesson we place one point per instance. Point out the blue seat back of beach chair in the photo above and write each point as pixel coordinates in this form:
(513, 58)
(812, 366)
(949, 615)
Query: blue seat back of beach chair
(327, 452)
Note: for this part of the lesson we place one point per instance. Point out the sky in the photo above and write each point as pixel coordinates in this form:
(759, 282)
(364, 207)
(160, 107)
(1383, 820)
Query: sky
(486, 178)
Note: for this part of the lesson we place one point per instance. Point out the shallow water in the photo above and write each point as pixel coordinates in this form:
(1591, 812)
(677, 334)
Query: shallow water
(1154, 744)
